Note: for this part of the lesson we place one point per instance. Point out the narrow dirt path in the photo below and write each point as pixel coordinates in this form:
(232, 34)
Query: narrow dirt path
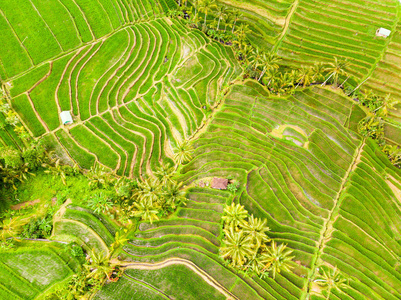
(179, 261)
(286, 25)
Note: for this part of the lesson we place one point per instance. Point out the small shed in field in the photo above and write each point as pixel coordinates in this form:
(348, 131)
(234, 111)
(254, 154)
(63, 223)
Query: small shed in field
(383, 32)
(66, 117)
(219, 183)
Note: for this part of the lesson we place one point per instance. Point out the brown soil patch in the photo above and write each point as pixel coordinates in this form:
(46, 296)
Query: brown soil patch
(25, 204)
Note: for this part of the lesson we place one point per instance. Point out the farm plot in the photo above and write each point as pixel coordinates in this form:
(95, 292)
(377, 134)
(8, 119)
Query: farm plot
(36, 31)
(187, 284)
(387, 75)
(321, 30)
(22, 281)
(305, 169)
(134, 95)
(266, 19)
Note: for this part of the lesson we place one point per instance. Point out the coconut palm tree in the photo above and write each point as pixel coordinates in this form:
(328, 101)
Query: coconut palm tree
(256, 59)
(173, 194)
(148, 191)
(236, 15)
(99, 266)
(221, 13)
(205, 6)
(228, 20)
(145, 211)
(195, 3)
(318, 71)
(234, 215)
(277, 258)
(269, 61)
(272, 75)
(331, 279)
(305, 76)
(336, 69)
(165, 173)
(183, 153)
(387, 103)
(242, 31)
(256, 229)
(237, 246)
(120, 239)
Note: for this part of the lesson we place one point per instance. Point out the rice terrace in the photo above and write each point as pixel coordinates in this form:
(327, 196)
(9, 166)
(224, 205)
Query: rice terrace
(200, 149)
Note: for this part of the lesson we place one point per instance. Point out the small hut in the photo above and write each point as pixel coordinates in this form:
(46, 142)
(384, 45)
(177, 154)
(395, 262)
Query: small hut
(219, 183)
(66, 117)
(383, 32)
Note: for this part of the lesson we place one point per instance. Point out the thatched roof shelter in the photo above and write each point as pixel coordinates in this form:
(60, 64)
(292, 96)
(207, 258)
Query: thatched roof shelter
(219, 183)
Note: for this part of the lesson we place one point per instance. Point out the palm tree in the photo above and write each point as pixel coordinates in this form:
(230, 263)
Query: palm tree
(148, 191)
(237, 15)
(331, 279)
(120, 239)
(256, 229)
(228, 20)
(336, 69)
(100, 203)
(221, 12)
(196, 5)
(10, 227)
(242, 31)
(173, 194)
(183, 153)
(99, 266)
(269, 61)
(205, 6)
(394, 154)
(145, 211)
(305, 76)
(318, 71)
(165, 173)
(277, 258)
(272, 75)
(235, 215)
(256, 58)
(237, 247)
(387, 103)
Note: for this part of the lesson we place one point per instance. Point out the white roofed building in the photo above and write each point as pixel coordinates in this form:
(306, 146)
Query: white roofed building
(383, 32)
(66, 117)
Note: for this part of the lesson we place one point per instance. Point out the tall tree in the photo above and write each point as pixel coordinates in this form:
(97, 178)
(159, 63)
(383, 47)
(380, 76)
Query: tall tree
(235, 215)
(256, 229)
(237, 15)
(148, 191)
(237, 247)
(277, 258)
(330, 279)
(335, 69)
(221, 13)
(205, 6)
(269, 61)
(183, 153)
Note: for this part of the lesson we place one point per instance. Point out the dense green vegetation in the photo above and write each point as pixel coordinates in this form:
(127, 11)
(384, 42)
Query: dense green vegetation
(290, 106)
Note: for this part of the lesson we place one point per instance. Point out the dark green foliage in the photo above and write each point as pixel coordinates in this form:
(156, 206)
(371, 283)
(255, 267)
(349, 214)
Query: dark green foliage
(38, 228)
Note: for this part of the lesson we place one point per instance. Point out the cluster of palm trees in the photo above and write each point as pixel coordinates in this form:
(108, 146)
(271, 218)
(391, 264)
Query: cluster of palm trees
(245, 244)
(373, 124)
(98, 267)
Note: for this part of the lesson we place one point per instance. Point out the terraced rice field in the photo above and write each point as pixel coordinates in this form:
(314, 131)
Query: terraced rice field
(267, 19)
(319, 30)
(21, 281)
(134, 95)
(138, 83)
